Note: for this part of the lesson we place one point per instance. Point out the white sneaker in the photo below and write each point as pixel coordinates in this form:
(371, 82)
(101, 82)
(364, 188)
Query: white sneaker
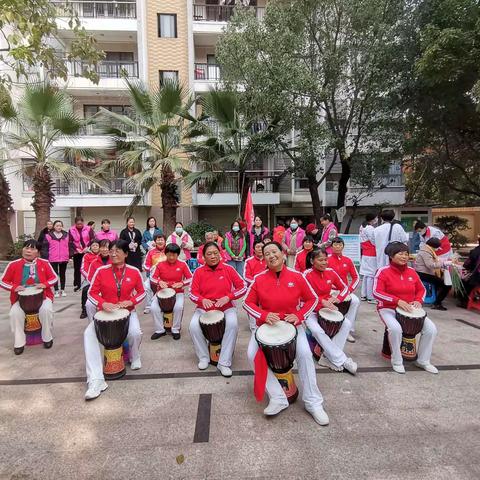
(398, 368)
(95, 388)
(136, 364)
(203, 364)
(350, 366)
(428, 367)
(350, 338)
(57, 294)
(146, 311)
(64, 293)
(320, 416)
(323, 361)
(363, 299)
(274, 408)
(225, 371)
(372, 301)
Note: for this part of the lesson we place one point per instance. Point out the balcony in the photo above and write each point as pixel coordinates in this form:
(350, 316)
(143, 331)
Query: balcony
(116, 16)
(105, 69)
(220, 13)
(206, 75)
(264, 185)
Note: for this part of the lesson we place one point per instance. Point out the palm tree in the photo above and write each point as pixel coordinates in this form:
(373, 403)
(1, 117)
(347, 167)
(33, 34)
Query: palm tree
(38, 128)
(221, 140)
(149, 144)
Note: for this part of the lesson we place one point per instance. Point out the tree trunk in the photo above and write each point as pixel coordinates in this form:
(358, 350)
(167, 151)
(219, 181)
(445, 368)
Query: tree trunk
(352, 216)
(6, 241)
(244, 186)
(169, 199)
(43, 197)
(316, 203)
(343, 184)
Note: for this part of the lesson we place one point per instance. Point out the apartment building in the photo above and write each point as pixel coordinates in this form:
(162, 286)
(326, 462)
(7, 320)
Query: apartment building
(153, 40)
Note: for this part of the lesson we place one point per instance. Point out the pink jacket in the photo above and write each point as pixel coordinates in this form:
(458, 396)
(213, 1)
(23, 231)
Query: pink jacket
(328, 234)
(111, 235)
(57, 249)
(298, 240)
(74, 236)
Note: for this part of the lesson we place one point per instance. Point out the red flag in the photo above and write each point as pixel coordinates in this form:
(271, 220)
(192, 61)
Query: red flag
(249, 214)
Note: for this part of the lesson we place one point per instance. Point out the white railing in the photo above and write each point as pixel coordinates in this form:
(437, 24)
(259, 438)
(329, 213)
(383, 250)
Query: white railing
(84, 9)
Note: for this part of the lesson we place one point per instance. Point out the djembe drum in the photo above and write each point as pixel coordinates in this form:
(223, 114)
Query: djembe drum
(279, 345)
(331, 321)
(212, 324)
(344, 306)
(30, 301)
(166, 300)
(112, 330)
(412, 325)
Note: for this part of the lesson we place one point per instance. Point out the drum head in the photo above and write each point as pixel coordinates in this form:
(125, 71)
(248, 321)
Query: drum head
(30, 291)
(105, 316)
(417, 312)
(279, 333)
(166, 293)
(211, 317)
(330, 315)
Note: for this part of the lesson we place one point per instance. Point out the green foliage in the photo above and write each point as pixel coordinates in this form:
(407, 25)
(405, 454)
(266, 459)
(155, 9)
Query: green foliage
(16, 251)
(452, 225)
(197, 231)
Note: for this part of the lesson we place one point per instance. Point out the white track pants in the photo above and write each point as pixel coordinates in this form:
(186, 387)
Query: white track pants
(332, 347)
(149, 293)
(367, 287)
(17, 322)
(228, 342)
(177, 314)
(425, 345)
(352, 311)
(91, 310)
(93, 348)
(311, 395)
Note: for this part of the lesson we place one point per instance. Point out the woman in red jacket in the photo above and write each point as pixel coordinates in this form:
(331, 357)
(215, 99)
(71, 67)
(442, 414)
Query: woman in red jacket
(283, 295)
(154, 256)
(323, 280)
(399, 285)
(173, 273)
(87, 260)
(301, 257)
(214, 287)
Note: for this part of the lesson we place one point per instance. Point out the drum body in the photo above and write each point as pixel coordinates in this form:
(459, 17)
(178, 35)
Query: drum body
(30, 301)
(166, 300)
(412, 325)
(112, 330)
(279, 345)
(344, 306)
(212, 324)
(315, 348)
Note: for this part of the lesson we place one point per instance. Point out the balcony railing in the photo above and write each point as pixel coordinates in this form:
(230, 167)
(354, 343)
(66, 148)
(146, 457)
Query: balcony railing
(82, 9)
(105, 69)
(117, 186)
(219, 13)
(261, 182)
(206, 71)
(384, 181)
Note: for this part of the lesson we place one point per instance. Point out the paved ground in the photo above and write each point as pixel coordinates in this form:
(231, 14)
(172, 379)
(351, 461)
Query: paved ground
(169, 420)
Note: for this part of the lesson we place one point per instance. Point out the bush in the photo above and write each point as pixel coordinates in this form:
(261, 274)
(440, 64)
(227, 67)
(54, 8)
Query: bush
(452, 225)
(197, 231)
(16, 251)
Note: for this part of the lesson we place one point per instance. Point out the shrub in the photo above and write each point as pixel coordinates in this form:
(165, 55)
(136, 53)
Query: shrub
(452, 225)
(16, 251)
(197, 231)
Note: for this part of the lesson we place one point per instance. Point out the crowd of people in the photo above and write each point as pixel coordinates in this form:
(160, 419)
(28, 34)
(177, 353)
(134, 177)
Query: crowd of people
(288, 275)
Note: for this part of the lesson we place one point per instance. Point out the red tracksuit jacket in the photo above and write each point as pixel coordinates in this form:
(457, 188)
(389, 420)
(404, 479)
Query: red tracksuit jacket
(12, 277)
(344, 267)
(171, 273)
(87, 260)
(253, 266)
(323, 283)
(104, 288)
(214, 284)
(154, 256)
(394, 283)
(286, 293)
(301, 260)
(95, 265)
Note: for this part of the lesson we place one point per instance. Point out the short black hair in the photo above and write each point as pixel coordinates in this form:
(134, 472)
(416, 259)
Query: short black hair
(327, 216)
(308, 238)
(433, 242)
(159, 235)
(173, 248)
(120, 245)
(90, 223)
(387, 215)
(104, 243)
(256, 242)
(272, 243)
(314, 254)
(337, 240)
(78, 219)
(32, 243)
(395, 247)
(370, 216)
(106, 220)
(95, 240)
(419, 225)
(148, 221)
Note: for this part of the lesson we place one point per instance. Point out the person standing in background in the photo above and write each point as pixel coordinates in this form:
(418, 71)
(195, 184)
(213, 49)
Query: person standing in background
(314, 232)
(80, 236)
(292, 242)
(41, 238)
(181, 238)
(91, 224)
(236, 247)
(133, 236)
(106, 233)
(329, 232)
(151, 230)
(368, 261)
(258, 232)
(57, 251)
(388, 231)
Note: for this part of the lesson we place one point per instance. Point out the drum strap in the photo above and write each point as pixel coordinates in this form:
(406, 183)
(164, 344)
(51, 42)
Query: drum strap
(117, 282)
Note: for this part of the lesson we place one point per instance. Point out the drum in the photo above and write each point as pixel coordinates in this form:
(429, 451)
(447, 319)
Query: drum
(166, 299)
(212, 324)
(412, 324)
(386, 351)
(279, 345)
(344, 306)
(112, 330)
(315, 348)
(331, 322)
(30, 301)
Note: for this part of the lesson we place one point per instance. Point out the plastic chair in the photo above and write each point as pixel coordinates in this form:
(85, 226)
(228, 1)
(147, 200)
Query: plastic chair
(431, 293)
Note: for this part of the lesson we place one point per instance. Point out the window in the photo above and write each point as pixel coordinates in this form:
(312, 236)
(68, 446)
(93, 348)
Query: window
(301, 184)
(168, 75)
(167, 25)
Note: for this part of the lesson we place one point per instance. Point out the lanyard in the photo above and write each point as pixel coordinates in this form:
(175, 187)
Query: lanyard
(119, 283)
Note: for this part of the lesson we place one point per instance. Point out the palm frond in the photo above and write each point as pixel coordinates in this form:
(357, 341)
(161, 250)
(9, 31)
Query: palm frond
(7, 109)
(140, 99)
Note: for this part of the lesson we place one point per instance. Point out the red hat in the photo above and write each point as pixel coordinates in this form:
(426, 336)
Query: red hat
(242, 224)
(310, 227)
